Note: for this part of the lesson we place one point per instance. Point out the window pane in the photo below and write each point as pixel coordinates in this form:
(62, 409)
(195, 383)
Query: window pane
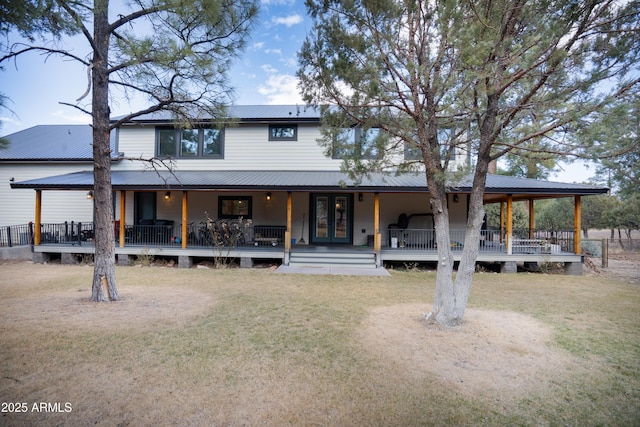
(286, 132)
(412, 152)
(344, 143)
(322, 217)
(166, 143)
(369, 143)
(340, 217)
(234, 207)
(189, 143)
(212, 142)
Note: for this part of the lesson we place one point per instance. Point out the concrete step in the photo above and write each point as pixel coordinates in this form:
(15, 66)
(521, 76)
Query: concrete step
(333, 259)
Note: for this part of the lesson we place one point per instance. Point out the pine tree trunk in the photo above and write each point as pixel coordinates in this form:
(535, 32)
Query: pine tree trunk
(104, 279)
(452, 295)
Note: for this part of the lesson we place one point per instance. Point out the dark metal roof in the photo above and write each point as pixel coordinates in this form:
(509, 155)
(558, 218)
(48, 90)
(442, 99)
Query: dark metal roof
(51, 143)
(296, 181)
(246, 113)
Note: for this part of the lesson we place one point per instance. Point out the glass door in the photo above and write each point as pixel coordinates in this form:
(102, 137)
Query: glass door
(332, 218)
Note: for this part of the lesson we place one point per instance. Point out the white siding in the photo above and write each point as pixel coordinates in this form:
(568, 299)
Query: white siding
(246, 147)
(17, 206)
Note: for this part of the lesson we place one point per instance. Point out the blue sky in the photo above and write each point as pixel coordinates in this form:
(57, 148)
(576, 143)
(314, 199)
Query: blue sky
(264, 74)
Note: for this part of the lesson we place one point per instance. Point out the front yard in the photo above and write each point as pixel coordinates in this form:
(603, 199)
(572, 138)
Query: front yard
(253, 347)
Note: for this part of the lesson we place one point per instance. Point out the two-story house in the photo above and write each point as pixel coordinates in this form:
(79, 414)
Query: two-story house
(265, 188)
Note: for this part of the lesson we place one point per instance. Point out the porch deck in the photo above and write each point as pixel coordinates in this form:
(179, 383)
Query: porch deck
(407, 246)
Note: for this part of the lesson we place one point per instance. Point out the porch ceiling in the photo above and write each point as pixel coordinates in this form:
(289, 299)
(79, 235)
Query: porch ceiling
(335, 181)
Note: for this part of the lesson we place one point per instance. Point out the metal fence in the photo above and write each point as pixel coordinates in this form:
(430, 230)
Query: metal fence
(490, 240)
(16, 235)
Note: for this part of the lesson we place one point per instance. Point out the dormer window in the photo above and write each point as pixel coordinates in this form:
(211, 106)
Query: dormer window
(283, 132)
(190, 143)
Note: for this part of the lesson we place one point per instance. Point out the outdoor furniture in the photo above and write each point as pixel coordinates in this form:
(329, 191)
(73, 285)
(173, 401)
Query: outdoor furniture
(528, 246)
(401, 236)
(268, 234)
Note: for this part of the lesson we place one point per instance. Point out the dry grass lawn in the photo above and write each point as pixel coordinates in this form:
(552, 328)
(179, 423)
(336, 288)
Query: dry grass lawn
(253, 347)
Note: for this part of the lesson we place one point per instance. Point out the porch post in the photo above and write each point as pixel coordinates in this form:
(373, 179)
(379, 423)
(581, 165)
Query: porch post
(37, 225)
(287, 234)
(123, 214)
(509, 224)
(532, 220)
(377, 238)
(577, 224)
(185, 219)
(501, 222)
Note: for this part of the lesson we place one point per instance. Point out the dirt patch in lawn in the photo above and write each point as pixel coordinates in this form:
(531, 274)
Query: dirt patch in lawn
(139, 308)
(494, 355)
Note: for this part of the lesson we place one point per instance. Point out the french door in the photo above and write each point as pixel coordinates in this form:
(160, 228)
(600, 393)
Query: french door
(332, 218)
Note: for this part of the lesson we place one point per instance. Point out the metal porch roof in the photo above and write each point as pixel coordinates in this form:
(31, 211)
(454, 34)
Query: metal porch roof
(296, 181)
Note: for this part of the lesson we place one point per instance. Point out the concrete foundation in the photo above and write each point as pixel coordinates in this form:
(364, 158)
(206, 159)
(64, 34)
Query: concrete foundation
(509, 267)
(69, 259)
(16, 252)
(123, 259)
(185, 261)
(41, 257)
(246, 262)
(573, 268)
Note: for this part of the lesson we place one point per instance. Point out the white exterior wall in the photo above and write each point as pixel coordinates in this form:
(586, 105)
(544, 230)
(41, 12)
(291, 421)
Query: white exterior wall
(17, 206)
(246, 147)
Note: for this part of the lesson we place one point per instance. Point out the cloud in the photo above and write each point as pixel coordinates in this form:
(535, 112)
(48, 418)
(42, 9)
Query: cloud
(281, 89)
(278, 2)
(9, 120)
(269, 69)
(287, 20)
(258, 46)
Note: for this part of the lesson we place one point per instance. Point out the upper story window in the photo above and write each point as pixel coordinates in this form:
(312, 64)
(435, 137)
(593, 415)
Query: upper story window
(412, 151)
(358, 143)
(283, 132)
(190, 143)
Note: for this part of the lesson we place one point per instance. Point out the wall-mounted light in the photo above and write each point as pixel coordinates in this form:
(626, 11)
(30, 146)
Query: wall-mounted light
(90, 195)
(360, 197)
(456, 199)
(268, 197)
(167, 195)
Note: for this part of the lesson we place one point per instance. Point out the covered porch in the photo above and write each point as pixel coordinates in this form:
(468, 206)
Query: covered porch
(285, 224)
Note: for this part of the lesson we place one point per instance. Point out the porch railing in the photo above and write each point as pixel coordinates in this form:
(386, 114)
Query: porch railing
(16, 235)
(204, 234)
(538, 241)
(74, 233)
(236, 234)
